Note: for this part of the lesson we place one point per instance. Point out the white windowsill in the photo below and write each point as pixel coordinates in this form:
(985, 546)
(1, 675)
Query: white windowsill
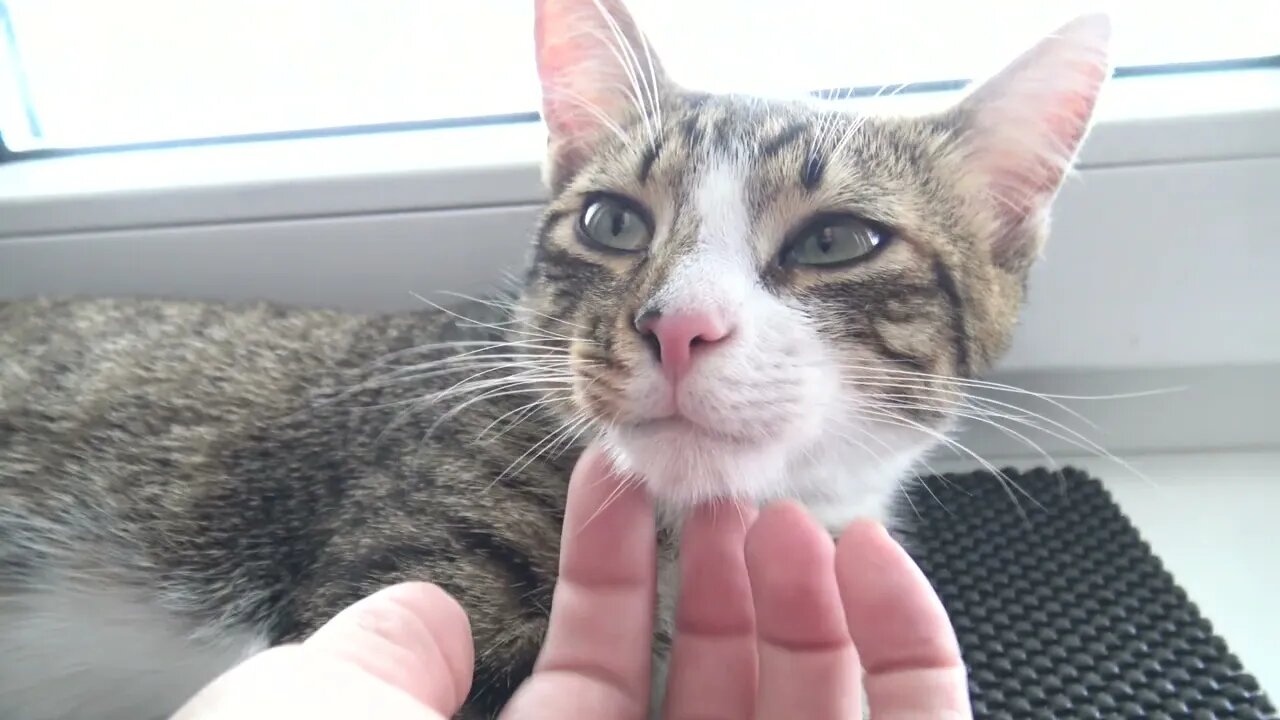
(1143, 120)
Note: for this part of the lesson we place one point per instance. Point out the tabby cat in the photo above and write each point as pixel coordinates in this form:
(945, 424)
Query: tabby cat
(737, 296)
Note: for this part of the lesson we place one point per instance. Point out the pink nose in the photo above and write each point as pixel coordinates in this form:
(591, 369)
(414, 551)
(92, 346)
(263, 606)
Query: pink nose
(679, 335)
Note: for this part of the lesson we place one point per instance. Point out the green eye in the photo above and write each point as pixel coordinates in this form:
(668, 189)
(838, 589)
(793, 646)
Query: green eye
(833, 242)
(616, 224)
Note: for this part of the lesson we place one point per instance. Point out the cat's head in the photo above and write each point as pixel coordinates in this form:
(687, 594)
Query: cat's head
(767, 298)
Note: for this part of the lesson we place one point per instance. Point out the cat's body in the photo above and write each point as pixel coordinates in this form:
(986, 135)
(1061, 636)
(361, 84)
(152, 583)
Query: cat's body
(736, 297)
(184, 483)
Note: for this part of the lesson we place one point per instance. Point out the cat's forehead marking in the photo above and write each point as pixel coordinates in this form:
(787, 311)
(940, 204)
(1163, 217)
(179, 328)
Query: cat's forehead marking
(715, 266)
(790, 133)
(647, 159)
(720, 200)
(786, 143)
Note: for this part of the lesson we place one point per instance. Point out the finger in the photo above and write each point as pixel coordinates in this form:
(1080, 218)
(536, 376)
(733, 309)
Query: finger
(907, 645)
(595, 659)
(287, 681)
(412, 636)
(713, 659)
(808, 667)
(404, 652)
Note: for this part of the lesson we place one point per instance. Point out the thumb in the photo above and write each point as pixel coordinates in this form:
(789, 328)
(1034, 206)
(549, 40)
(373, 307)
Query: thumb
(413, 637)
(403, 652)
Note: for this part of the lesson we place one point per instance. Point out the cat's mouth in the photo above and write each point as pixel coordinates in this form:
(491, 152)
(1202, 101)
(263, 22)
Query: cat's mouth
(680, 425)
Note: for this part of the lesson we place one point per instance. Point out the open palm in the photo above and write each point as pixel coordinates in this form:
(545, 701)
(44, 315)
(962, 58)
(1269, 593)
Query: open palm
(774, 621)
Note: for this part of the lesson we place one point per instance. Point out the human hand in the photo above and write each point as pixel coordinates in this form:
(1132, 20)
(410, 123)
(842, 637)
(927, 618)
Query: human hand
(403, 653)
(769, 615)
(768, 619)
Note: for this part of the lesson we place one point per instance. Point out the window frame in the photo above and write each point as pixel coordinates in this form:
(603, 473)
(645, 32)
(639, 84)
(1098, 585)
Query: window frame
(852, 93)
(1142, 118)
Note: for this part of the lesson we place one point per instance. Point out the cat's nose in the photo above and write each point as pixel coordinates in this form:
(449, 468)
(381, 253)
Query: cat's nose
(678, 337)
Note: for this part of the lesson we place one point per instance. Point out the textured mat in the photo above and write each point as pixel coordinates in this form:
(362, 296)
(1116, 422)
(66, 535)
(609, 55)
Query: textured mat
(1064, 612)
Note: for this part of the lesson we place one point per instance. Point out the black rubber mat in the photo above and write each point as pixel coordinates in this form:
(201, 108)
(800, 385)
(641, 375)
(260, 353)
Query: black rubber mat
(1063, 611)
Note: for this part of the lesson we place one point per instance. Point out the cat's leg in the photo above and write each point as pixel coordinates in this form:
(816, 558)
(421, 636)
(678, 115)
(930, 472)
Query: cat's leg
(72, 649)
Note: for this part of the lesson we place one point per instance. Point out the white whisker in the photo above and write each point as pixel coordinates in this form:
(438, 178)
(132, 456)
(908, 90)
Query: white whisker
(979, 418)
(600, 115)
(524, 411)
(626, 57)
(496, 393)
(459, 363)
(1014, 388)
(1072, 437)
(526, 378)
(891, 418)
(609, 500)
(478, 323)
(514, 306)
(535, 450)
(880, 459)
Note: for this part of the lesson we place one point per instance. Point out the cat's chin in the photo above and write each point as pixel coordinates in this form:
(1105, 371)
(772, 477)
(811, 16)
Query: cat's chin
(683, 464)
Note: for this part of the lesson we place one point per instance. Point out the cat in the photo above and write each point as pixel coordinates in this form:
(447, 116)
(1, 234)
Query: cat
(736, 296)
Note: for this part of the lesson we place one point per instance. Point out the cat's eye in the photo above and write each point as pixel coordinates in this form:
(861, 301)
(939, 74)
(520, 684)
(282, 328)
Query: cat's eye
(834, 241)
(615, 223)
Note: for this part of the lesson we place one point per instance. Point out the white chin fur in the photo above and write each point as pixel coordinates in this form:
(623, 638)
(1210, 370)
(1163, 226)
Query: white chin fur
(684, 468)
(838, 479)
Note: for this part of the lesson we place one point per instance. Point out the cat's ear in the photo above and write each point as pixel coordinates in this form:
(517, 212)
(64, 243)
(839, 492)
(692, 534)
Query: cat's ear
(1021, 129)
(597, 70)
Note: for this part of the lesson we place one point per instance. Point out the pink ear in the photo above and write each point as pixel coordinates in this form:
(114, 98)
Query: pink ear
(596, 68)
(1022, 128)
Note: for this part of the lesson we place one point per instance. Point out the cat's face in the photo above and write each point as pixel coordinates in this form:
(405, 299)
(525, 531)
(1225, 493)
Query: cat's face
(767, 298)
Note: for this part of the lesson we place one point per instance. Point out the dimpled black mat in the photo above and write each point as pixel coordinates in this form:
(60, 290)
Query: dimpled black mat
(1064, 612)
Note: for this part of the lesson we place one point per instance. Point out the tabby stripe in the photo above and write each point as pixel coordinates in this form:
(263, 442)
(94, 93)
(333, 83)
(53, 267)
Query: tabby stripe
(959, 329)
(691, 128)
(519, 486)
(566, 265)
(788, 135)
(549, 222)
(532, 587)
(894, 355)
(812, 172)
(876, 294)
(724, 133)
(646, 163)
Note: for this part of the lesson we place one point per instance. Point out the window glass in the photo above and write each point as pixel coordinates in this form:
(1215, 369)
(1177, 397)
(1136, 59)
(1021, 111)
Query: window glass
(77, 73)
